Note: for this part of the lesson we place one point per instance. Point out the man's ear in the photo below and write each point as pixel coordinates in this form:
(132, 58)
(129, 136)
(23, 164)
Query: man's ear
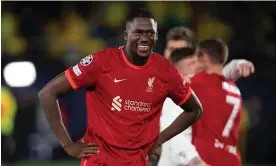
(204, 57)
(125, 35)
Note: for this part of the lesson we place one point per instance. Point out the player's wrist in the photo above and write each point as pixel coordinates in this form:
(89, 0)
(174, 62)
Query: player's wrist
(161, 139)
(66, 143)
(159, 142)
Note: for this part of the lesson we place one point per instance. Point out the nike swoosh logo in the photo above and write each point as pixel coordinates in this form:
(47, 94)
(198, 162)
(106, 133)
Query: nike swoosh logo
(115, 80)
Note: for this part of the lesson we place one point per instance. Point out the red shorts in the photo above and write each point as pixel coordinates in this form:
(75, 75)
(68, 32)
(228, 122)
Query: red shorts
(106, 159)
(113, 156)
(93, 161)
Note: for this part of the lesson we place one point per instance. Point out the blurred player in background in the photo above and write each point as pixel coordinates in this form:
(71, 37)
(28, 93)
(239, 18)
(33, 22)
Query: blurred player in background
(187, 63)
(178, 37)
(216, 135)
(174, 149)
(125, 90)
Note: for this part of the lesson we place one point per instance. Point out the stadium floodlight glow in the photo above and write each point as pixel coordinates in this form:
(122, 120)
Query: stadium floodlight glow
(20, 74)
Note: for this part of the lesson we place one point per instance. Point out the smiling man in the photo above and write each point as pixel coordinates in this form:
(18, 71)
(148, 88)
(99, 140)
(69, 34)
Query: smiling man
(125, 90)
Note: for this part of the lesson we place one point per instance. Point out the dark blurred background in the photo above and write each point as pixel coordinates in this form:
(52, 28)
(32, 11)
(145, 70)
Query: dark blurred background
(48, 37)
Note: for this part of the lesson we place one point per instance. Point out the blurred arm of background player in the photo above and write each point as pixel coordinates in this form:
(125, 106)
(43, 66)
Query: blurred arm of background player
(238, 68)
(233, 70)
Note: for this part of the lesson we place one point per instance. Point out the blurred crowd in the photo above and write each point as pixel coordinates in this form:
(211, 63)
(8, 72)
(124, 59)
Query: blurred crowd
(56, 35)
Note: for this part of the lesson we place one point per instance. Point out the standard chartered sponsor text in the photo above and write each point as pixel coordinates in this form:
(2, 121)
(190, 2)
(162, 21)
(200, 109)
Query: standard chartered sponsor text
(139, 106)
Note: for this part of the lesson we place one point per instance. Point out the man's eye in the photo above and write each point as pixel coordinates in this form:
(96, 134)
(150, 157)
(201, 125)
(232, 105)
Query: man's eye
(137, 33)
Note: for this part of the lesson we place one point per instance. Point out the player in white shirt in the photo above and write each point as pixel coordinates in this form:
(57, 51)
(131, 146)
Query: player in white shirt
(179, 151)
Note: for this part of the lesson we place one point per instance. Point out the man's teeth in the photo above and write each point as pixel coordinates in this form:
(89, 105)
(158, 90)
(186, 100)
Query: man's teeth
(143, 46)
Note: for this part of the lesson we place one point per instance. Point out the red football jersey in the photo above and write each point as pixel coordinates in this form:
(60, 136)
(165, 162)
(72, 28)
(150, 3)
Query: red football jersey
(124, 102)
(215, 134)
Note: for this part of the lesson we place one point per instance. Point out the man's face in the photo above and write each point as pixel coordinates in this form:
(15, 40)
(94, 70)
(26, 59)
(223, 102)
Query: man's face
(141, 36)
(203, 59)
(173, 44)
(187, 66)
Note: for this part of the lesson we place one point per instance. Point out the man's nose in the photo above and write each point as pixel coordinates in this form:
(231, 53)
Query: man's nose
(144, 37)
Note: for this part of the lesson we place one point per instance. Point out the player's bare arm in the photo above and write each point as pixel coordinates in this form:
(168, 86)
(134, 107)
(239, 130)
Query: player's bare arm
(233, 70)
(48, 97)
(193, 111)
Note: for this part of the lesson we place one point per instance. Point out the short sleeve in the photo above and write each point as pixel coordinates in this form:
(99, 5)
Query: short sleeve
(86, 72)
(179, 89)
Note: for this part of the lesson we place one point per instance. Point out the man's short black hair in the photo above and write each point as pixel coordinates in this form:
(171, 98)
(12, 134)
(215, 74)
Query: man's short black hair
(181, 53)
(216, 49)
(139, 13)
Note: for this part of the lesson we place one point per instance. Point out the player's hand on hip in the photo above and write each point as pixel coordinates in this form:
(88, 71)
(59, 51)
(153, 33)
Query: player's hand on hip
(155, 151)
(79, 149)
(246, 68)
(197, 161)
